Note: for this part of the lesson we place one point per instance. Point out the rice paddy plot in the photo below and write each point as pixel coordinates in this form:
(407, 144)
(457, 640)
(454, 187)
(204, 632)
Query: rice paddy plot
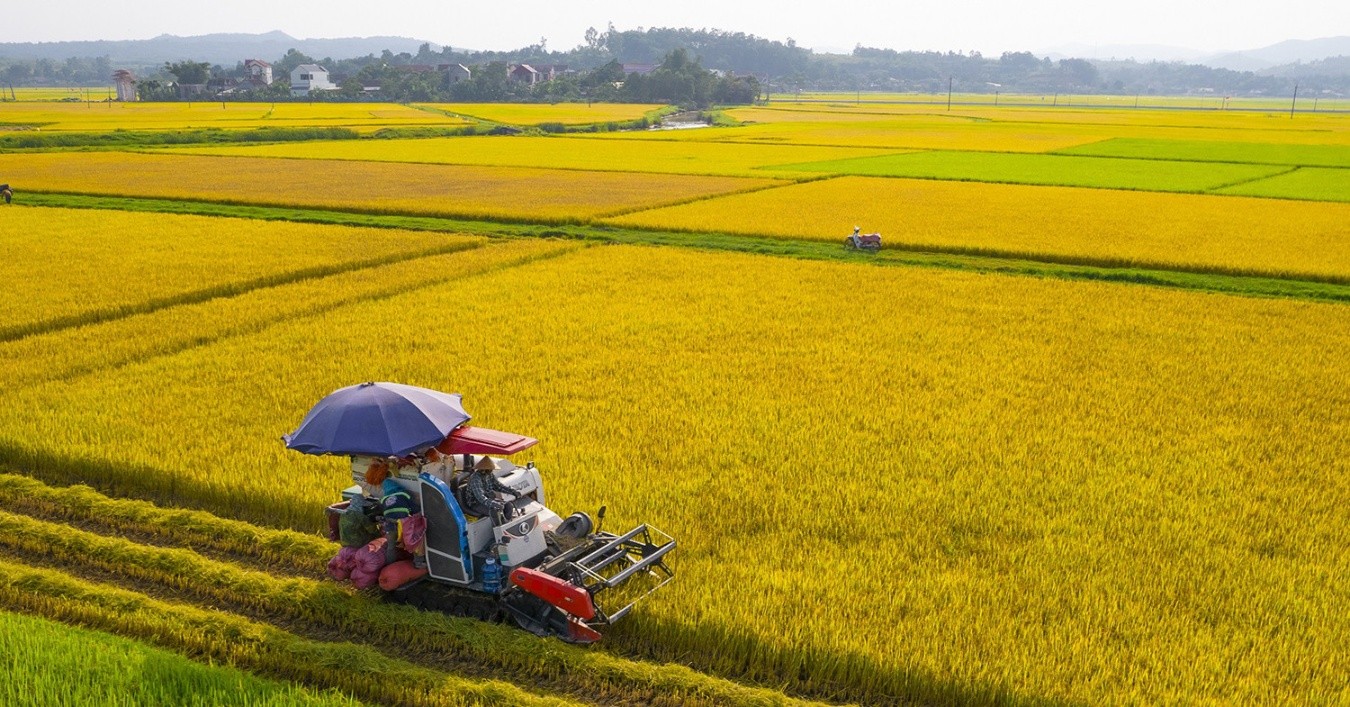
(560, 153)
(69, 266)
(1105, 227)
(898, 133)
(1069, 508)
(543, 113)
(1302, 183)
(500, 193)
(1056, 170)
(90, 348)
(1212, 151)
(181, 115)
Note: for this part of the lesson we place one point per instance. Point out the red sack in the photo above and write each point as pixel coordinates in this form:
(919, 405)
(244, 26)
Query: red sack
(398, 574)
(340, 567)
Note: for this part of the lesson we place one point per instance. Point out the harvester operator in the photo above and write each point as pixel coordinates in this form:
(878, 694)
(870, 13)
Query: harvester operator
(482, 483)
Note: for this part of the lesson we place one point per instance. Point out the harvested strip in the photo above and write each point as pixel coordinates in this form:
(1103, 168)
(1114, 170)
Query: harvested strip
(325, 605)
(264, 649)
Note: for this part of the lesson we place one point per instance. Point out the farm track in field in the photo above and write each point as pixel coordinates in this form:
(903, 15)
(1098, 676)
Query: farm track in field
(314, 610)
(894, 255)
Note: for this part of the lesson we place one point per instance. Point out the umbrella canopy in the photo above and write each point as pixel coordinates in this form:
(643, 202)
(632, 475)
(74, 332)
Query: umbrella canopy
(378, 419)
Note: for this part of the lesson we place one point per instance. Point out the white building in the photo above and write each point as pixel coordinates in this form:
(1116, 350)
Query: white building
(309, 77)
(259, 71)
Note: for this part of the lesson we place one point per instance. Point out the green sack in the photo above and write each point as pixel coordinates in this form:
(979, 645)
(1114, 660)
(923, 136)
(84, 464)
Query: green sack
(355, 528)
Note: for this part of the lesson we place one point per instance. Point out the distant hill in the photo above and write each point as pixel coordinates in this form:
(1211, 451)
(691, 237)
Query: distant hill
(223, 49)
(1287, 52)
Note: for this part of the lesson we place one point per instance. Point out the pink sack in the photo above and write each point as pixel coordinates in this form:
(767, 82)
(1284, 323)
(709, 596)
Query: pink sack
(340, 567)
(367, 563)
(414, 531)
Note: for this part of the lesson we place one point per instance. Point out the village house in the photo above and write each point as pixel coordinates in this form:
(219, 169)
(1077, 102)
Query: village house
(523, 73)
(310, 77)
(454, 73)
(258, 72)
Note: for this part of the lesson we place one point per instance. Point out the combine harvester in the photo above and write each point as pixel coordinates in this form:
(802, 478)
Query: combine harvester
(491, 548)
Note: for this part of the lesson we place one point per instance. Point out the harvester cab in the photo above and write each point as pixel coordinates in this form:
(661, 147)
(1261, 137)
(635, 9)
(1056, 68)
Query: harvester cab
(491, 547)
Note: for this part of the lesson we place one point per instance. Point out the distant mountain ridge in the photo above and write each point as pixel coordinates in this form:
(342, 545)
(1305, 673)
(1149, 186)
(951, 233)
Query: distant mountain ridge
(1293, 51)
(223, 49)
(1288, 52)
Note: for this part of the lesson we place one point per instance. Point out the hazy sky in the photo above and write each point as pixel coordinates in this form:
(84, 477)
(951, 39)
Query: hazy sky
(990, 27)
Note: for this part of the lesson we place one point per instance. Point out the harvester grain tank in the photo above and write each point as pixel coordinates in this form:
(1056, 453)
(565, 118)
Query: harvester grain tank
(492, 548)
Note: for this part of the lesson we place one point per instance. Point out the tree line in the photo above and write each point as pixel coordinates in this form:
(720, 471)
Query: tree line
(737, 62)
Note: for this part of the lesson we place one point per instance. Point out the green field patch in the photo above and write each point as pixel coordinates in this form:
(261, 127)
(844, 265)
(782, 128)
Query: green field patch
(1040, 169)
(1314, 183)
(1205, 151)
(50, 663)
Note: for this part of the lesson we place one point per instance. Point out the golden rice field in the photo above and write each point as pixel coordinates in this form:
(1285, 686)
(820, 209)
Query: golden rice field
(228, 115)
(1274, 121)
(739, 160)
(886, 482)
(1195, 232)
(1211, 102)
(86, 349)
(1001, 129)
(55, 93)
(896, 478)
(508, 193)
(65, 266)
(540, 113)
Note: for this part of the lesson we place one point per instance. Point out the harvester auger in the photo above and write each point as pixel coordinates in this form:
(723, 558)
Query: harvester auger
(484, 543)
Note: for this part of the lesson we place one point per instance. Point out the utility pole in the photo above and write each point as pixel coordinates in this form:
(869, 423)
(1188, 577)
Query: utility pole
(1293, 102)
(949, 93)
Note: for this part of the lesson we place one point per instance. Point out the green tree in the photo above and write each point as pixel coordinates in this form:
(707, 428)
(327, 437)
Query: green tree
(189, 72)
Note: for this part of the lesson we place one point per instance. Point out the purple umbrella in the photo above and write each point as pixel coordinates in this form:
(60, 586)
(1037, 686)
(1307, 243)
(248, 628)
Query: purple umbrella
(378, 419)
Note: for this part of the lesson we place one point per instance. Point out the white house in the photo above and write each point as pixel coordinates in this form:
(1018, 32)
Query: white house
(258, 71)
(309, 77)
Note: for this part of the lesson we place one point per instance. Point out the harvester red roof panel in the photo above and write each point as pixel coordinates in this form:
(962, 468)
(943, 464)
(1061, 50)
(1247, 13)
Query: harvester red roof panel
(481, 440)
